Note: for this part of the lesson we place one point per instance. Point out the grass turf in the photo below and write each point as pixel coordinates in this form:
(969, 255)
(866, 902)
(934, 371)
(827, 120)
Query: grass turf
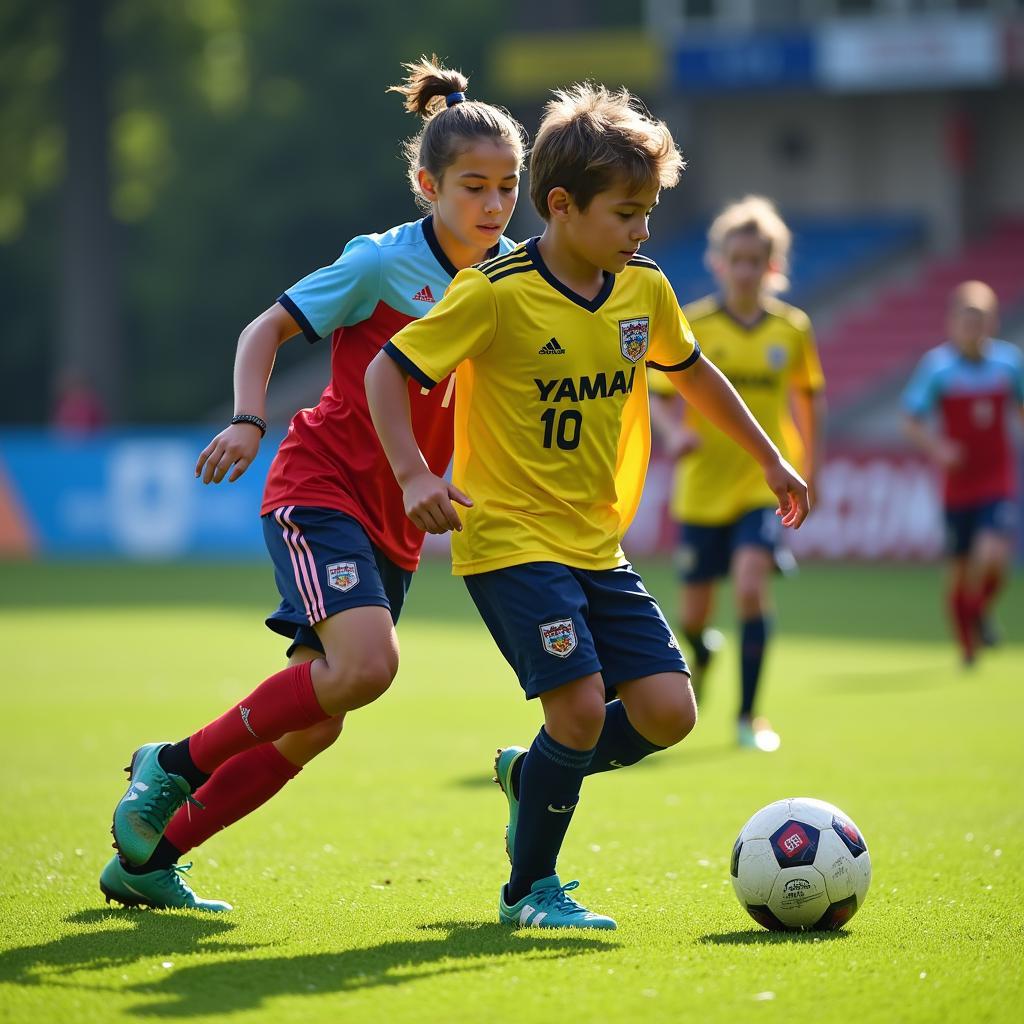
(367, 890)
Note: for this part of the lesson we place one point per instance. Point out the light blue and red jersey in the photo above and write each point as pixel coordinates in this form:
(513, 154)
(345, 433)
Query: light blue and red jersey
(973, 399)
(331, 457)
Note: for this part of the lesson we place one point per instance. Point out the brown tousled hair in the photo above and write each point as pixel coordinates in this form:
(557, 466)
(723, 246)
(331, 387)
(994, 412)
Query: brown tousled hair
(591, 137)
(448, 129)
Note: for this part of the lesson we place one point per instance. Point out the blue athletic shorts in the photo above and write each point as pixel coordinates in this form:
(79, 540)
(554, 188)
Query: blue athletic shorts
(555, 624)
(964, 524)
(324, 564)
(705, 552)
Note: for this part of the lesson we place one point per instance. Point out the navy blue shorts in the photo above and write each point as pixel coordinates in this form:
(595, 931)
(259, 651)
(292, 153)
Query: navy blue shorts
(964, 524)
(555, 624)
(324, 564)
(705, 552)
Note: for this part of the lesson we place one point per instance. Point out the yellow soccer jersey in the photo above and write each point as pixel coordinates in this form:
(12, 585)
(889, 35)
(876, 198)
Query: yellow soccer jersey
(552, 433)
(719, 481)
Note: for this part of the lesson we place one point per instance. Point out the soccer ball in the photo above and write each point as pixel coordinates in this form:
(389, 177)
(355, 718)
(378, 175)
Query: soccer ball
(800, 863)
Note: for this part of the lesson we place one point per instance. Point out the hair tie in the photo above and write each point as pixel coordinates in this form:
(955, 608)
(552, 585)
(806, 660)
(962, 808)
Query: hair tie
(455, 97)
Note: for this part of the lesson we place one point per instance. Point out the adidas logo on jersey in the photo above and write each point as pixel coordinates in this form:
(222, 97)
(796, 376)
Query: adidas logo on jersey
(424, 295)
(552, 348)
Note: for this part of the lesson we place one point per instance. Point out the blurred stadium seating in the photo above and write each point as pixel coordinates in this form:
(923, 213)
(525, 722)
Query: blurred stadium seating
(827, 252)
(884, 336)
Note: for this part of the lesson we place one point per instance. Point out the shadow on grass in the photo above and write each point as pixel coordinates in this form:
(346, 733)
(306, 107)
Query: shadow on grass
(126, 937)
(457, 947)
(762, 937)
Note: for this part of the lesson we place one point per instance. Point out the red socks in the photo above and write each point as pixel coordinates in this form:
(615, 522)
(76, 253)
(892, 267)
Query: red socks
(240, 785)
(964, 610)
(286, 702)
(990, 586)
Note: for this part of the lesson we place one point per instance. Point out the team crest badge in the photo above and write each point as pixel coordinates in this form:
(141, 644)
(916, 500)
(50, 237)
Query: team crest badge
(777, 357)
(633, 337)
(559, 638)
(343, 576)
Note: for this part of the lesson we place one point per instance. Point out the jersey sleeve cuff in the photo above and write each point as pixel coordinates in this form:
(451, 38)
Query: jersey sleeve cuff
(299, 317)
(408, 365)
(686, 364)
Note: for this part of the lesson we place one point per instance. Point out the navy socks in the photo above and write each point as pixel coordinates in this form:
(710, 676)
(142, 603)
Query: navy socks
(619, 744)
(753, 638)
(701, 651)
(549, 789)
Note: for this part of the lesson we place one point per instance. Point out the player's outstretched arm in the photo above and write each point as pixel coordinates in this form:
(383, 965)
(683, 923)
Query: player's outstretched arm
(944, 453)
(428, 498)
(710, 393)
(809, 414)
(235, 447)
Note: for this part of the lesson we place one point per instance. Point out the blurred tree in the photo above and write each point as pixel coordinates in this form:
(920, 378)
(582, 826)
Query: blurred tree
(246, 144)
(31, 162)
(87, 340)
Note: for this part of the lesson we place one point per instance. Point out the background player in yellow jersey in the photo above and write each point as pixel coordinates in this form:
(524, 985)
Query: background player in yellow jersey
(727, 514)
(552, 436)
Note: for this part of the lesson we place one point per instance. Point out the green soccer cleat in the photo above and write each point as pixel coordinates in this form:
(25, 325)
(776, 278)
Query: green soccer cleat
(547, 905)
(757, 735)
(989, 633)
(144, 812)
(504, 761)
(163, 889)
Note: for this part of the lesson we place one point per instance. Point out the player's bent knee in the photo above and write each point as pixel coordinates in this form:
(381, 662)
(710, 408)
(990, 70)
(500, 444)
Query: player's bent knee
(361, 678)
(672, 720)
(370, 677)
(578, 724)
(683, 719)
(317, 738)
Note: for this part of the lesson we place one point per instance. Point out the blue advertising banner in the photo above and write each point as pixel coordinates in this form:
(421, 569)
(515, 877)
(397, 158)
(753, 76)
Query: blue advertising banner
(720, 63)
(133, 495)
(129, 494)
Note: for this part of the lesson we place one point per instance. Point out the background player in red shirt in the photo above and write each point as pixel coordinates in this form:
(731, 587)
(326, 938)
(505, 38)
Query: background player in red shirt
(333, 516)
(972, 382)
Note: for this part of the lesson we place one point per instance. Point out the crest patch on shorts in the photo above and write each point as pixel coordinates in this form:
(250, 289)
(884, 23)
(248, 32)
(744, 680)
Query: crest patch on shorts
(558, 638)
(343, 576)
(633, 337)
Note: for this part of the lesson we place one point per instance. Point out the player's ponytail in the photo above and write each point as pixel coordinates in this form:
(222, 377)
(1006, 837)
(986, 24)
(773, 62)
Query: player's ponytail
(427, 86)
(453, 122)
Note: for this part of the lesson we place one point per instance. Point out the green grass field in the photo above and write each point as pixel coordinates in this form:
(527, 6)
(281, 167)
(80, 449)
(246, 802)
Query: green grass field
(367, 890)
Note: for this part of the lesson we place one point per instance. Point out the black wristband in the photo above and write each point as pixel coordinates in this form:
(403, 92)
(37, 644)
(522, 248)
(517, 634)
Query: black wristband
(256, 421)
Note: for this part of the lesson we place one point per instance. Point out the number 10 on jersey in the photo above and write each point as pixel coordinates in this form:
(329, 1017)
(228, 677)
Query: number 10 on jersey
(563, 428)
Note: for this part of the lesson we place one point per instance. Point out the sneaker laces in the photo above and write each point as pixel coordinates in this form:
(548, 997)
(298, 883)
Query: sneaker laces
(556, 898)
(176, 880)
(158, 810)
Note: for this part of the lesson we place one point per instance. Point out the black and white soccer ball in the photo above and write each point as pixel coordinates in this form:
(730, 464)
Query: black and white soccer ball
(801, 863)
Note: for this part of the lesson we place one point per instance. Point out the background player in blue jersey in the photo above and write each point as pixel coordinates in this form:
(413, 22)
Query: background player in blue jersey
(334, 524)
(972, 384)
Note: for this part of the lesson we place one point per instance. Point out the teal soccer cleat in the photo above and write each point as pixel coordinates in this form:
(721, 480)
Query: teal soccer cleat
(757, 735)
(145, 811)
(163, 889)
(547, 905)
(504, 761)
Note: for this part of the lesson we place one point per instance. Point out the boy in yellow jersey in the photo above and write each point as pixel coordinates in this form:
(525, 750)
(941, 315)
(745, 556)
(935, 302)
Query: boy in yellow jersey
(552, 435)
(727, 514)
